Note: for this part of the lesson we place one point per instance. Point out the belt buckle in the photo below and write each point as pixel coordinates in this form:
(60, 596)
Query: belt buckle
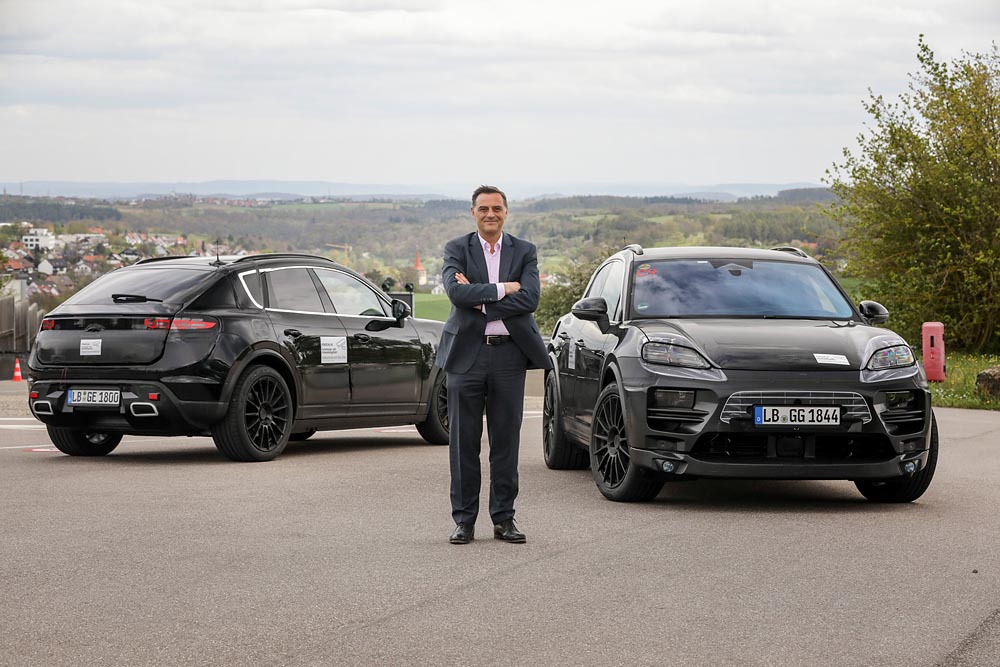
(493, 340)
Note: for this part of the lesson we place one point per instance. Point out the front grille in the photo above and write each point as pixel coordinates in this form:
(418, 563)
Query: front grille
(903, 422)
(673, 420)
(739, 406)
(775, 448)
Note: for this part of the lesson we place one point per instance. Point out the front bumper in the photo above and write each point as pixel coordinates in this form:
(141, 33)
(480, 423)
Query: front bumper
(872, 441)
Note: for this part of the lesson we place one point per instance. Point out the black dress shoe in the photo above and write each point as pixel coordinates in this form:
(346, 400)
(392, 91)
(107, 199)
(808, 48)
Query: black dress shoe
(508, 532)
(464, 533)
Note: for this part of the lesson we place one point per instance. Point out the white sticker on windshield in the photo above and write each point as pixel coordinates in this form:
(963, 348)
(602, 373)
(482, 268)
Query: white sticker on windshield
(333, 349)
(90, 347)
(838, 359)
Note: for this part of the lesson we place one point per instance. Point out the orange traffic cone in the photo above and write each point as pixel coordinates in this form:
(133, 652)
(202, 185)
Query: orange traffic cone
(17, 371)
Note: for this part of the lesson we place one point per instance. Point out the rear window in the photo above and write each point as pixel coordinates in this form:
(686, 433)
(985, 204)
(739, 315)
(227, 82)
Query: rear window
(170, 285)
(735, 288)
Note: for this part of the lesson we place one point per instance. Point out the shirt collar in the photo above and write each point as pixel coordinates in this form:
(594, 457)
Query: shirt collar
(486, 244)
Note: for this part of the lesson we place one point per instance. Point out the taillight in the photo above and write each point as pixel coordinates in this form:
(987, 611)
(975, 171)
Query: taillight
(47, 324)
(179, 323)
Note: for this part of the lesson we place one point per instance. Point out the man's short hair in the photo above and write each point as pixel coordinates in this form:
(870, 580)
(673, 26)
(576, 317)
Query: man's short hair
(488, 190)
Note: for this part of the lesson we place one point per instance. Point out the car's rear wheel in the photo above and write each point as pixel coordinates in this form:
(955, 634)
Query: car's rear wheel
(617, 477)
(434, 429)
(259, 418)
(302, 435)
(76, 442)
(559, 453)
(904, 489)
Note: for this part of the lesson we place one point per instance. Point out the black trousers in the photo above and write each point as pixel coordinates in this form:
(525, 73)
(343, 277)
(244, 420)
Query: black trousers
(495, 382)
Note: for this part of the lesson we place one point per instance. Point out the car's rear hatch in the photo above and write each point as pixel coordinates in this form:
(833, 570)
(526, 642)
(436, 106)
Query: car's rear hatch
(122, 319)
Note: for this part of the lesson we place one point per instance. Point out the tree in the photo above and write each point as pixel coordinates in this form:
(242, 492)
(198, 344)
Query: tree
(921, 199)
(557, 300)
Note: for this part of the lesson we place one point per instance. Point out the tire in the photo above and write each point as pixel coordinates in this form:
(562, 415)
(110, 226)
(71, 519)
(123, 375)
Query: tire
(258, 420)
(614, 473)
(302, 435)
(83, 443)
(434, 429)
(904, 489)
(559, 453)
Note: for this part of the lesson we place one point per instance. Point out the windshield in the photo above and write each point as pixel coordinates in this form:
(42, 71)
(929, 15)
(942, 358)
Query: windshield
(735, 288)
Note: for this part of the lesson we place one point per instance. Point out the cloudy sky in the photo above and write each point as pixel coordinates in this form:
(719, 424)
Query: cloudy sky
(455, 91)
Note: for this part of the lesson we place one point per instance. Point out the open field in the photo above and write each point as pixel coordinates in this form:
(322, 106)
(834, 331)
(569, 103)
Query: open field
(431, 306)
(959, 388)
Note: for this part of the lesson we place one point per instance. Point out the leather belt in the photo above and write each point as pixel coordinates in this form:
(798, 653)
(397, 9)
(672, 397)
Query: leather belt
(496, 340)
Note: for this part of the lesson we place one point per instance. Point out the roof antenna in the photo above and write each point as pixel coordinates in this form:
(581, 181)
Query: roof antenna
(218, 260)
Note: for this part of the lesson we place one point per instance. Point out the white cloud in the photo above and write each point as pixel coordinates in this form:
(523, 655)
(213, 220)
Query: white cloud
(391, 90)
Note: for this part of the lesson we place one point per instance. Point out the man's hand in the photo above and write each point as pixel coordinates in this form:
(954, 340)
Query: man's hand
(461, 279)
(510, 288)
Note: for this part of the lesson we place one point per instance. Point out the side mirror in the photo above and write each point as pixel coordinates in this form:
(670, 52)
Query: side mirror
(400, 311)
(594, 309)
(874, 312)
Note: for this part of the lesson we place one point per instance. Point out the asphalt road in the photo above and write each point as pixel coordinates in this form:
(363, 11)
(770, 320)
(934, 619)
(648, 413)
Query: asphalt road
(337, 554)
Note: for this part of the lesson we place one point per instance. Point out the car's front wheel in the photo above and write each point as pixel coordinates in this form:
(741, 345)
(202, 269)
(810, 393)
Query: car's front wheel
(610, 455)
(259, 418)
(434, 429)
(559, 453)
(904, 489)
(83, 443)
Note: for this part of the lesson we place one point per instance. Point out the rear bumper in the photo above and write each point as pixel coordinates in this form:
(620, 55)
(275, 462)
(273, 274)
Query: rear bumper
(137, 413)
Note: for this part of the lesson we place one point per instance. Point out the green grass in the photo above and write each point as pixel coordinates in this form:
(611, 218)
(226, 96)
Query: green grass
(431, 306)
(959, 387)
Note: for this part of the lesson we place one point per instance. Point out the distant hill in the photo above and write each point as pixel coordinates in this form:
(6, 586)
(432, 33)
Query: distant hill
(283, 190)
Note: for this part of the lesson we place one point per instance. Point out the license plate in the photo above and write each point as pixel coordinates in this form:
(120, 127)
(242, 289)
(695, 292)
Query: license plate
(796, 415)
(94, 397)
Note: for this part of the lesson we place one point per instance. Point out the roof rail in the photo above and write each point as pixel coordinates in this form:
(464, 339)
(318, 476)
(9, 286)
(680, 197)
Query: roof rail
(634, 247)
(281, 255)
(793, 250)
(147, 260)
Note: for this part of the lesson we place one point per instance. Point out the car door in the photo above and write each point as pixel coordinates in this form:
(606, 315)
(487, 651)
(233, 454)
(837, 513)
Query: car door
(313, 337)
(593, 342)
(387, 361)
(569, 361)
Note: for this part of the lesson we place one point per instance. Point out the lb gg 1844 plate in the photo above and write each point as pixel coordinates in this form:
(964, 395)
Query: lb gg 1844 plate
(796, 415)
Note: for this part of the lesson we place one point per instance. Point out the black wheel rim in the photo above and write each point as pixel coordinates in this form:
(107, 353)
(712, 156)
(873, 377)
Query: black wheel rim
(611, 451)
(549, 418)
(266, 414)
(442, 403)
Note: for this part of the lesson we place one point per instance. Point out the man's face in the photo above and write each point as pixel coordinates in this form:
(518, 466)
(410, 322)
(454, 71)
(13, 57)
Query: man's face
(490, 214)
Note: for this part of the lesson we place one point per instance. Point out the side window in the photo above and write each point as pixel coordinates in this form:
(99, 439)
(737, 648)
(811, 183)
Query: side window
(293, 289)
(251, 284)
(612, 290)
(349, 295)
(598, 284)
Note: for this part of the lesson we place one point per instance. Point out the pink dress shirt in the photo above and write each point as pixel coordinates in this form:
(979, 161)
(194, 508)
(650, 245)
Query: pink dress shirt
(496, 327)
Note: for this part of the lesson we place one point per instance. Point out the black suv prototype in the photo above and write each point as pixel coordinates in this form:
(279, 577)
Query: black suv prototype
(682, 363)
(255, 350)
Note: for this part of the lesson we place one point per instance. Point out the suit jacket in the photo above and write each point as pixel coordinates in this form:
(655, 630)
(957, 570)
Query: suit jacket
(463, 332)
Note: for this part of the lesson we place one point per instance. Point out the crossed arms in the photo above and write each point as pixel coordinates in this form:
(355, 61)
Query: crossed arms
(521, 295)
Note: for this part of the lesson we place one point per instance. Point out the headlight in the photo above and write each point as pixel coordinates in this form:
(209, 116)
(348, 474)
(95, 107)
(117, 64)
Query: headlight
(673, 355)
(896, 356)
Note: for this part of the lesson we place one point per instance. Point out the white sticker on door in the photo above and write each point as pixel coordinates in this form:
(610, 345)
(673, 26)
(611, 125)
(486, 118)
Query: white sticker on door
(90, 347)
(571, 362)
(333, 349)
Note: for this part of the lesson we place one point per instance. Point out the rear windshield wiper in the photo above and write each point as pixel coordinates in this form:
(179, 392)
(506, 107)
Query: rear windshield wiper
(133, 298)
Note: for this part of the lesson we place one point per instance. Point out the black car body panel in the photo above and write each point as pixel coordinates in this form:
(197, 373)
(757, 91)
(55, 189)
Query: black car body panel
(707, 418)
(174, 350)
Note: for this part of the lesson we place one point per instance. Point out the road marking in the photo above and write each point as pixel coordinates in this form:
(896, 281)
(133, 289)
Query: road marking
(17, 419)
(22, 427)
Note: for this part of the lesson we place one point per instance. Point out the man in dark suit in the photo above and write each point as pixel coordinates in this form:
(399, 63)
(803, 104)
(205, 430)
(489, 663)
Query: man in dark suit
(488, 342)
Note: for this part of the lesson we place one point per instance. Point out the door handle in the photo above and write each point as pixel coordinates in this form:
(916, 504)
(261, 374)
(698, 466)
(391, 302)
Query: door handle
(293, 333)
(363, 337)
